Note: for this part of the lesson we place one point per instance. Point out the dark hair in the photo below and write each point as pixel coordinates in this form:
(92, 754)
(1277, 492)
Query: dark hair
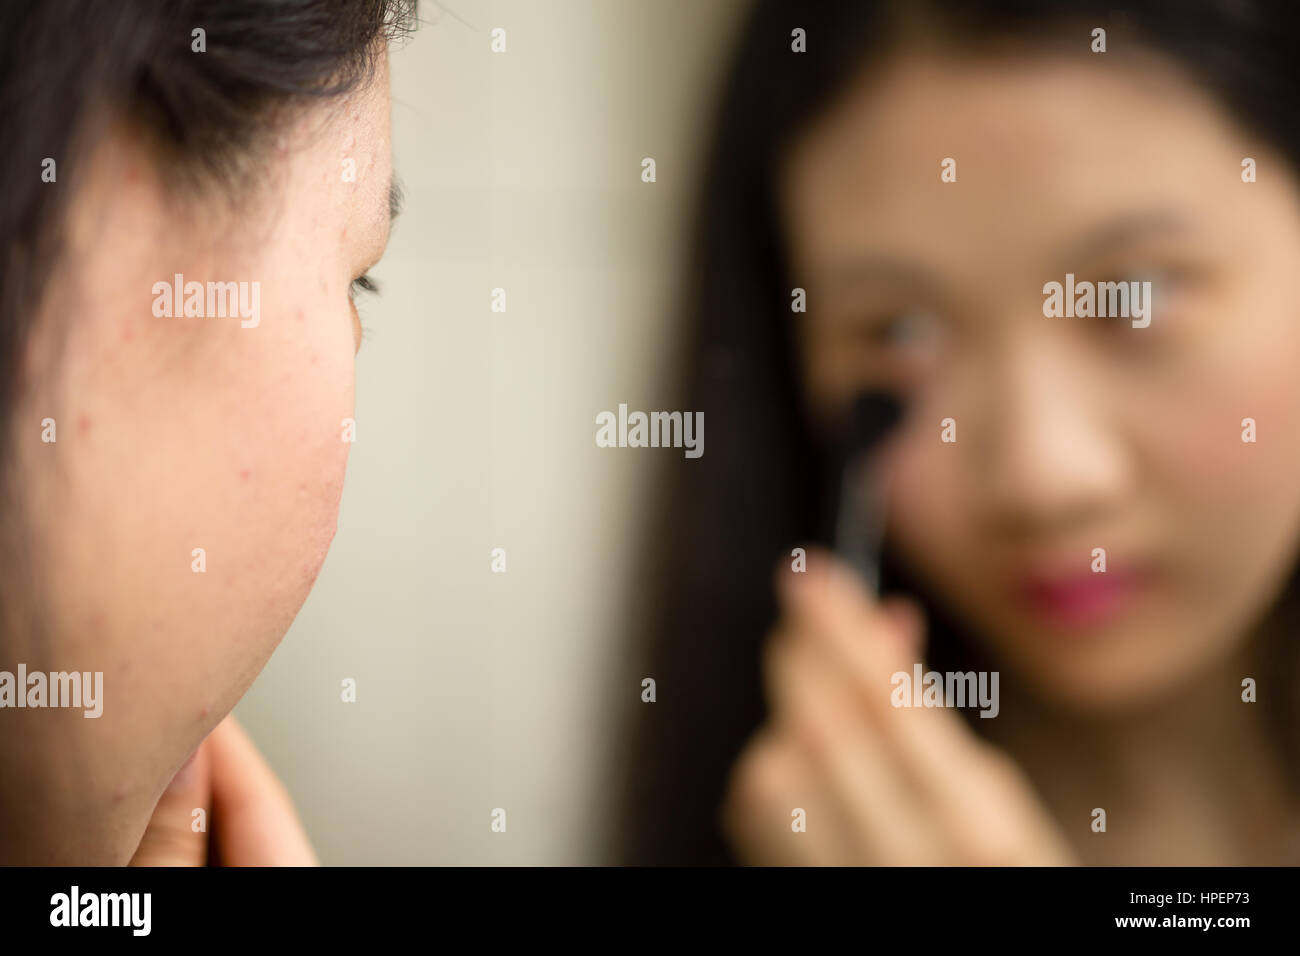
(727, 517)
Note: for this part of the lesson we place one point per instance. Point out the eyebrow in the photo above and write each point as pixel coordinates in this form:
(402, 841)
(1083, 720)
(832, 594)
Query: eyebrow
(1108, 235)
(879, 267)
(1124, 229)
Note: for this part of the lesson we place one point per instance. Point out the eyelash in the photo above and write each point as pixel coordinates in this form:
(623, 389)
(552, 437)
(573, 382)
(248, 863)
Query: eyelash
(362, 283)
(884, 333)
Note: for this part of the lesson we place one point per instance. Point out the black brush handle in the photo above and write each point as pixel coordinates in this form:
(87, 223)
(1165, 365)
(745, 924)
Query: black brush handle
(856, 527)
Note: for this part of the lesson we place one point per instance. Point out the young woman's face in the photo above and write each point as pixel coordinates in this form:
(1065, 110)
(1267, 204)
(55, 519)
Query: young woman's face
(224, 434)
(1072, 433)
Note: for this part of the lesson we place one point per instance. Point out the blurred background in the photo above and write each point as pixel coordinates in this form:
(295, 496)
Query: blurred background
(476, 430)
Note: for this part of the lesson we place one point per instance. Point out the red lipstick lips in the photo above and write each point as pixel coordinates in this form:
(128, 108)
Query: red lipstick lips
(1083, 598)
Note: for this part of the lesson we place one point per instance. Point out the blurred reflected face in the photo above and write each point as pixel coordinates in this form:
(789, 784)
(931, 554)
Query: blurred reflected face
(1072, 433)
(186, 507)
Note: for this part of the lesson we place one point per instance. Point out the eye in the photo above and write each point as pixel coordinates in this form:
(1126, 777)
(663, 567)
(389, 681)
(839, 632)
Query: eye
(915, 329)
(1167, 281)
(909, 335)
(901, 347)
(362, 283)
(1163, 299)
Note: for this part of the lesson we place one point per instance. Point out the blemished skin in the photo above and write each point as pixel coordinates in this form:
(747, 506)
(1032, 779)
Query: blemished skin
(184, 433)
(1071, 434)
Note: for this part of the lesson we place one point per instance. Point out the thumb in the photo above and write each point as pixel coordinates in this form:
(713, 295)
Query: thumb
(171, 839)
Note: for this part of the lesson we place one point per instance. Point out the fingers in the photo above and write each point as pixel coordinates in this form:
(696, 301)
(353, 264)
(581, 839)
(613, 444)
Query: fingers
(871, 801)
(873, 642)
(828, 599)
(896, 784)
(257, 824)
(874, 639)
(771, 785)
(171, 838)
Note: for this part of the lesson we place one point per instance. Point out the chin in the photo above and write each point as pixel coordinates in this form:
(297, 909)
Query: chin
(1112, 687)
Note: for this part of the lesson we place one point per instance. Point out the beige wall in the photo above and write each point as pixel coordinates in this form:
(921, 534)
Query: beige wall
(476, 430)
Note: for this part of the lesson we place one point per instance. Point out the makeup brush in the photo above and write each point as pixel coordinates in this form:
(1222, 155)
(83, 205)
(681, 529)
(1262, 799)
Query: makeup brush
(859, 519)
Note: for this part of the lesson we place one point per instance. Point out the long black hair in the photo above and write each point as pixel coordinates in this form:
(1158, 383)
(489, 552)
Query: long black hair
(704, 594)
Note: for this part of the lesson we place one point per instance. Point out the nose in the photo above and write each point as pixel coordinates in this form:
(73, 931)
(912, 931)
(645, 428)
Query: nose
(1052, 453)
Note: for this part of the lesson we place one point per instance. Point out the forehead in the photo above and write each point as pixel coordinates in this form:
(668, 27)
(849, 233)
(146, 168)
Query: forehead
(1038, 140)
(341, 152)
